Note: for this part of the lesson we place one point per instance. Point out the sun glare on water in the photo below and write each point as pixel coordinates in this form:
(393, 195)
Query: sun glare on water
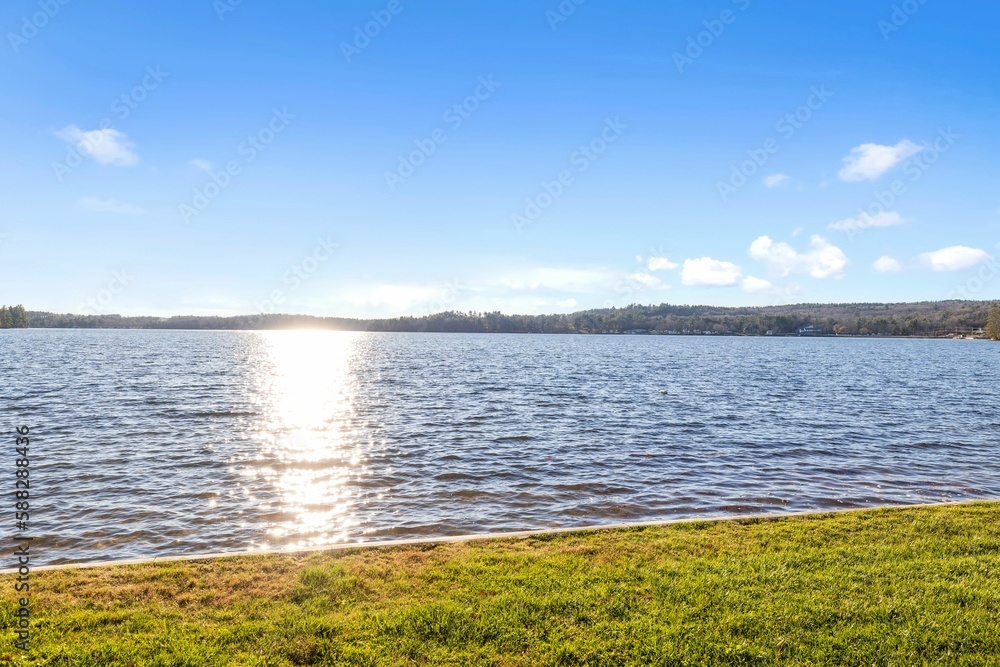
(306, 384)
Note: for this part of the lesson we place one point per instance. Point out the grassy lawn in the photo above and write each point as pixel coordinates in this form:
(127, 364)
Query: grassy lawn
(884, 587)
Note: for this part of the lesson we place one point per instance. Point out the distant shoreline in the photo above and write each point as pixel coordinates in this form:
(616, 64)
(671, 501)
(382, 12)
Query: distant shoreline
(929, 319)
(530, 333)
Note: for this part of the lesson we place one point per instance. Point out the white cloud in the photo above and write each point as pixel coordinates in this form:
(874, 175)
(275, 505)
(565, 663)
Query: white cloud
(568, 303)
(645, 279)
(869, 161)
(204, 165)
(99, 205)
(660, 264)
(865, 220)
(824, 261)
(708, 272)
(887, 264)
(775, 180)
(752, 284)
(107, 146)
(954, 258)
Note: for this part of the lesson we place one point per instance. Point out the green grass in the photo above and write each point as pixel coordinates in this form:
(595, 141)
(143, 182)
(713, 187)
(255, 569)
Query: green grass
(919, 586)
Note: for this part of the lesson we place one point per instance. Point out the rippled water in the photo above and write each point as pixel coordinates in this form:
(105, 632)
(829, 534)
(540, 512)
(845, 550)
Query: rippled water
(161, 443)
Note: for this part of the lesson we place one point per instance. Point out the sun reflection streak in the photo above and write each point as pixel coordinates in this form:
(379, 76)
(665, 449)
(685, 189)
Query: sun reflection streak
(307, 450)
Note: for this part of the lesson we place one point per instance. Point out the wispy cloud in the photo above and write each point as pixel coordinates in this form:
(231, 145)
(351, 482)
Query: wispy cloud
(558, 278)
(954, 258)
(865, 221)
(869, 161)
(397, 298)
(753, 284)
(886, 264)
(660, 264)
(204, 165)
(99, 205)
(645, 279)
(108, 146)
(825, 260)
(776, 180)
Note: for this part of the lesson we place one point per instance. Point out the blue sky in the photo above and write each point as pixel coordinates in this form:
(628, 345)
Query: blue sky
(226, 157)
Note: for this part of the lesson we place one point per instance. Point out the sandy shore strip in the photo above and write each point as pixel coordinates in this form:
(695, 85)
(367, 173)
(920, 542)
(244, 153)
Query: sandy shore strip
(458, 539)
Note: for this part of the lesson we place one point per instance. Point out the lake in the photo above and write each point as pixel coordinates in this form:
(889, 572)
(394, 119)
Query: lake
(156, 443)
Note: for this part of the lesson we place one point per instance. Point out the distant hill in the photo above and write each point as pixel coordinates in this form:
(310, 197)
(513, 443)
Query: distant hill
(929, 318)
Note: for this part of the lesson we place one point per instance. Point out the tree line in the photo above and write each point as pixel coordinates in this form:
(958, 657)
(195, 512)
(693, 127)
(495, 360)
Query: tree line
(14, 317)
(939, 318)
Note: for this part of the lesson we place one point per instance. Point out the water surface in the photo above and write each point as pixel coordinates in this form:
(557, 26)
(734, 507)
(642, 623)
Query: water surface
(153, 443)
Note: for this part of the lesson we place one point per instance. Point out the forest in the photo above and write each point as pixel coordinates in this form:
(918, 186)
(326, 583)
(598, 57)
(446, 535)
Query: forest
(14, 317)
(926, 319)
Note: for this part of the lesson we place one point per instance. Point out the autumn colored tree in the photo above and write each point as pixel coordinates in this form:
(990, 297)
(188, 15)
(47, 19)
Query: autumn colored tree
(993, 324)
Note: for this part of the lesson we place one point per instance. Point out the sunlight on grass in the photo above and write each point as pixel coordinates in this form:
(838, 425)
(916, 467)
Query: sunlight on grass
(880, 587)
